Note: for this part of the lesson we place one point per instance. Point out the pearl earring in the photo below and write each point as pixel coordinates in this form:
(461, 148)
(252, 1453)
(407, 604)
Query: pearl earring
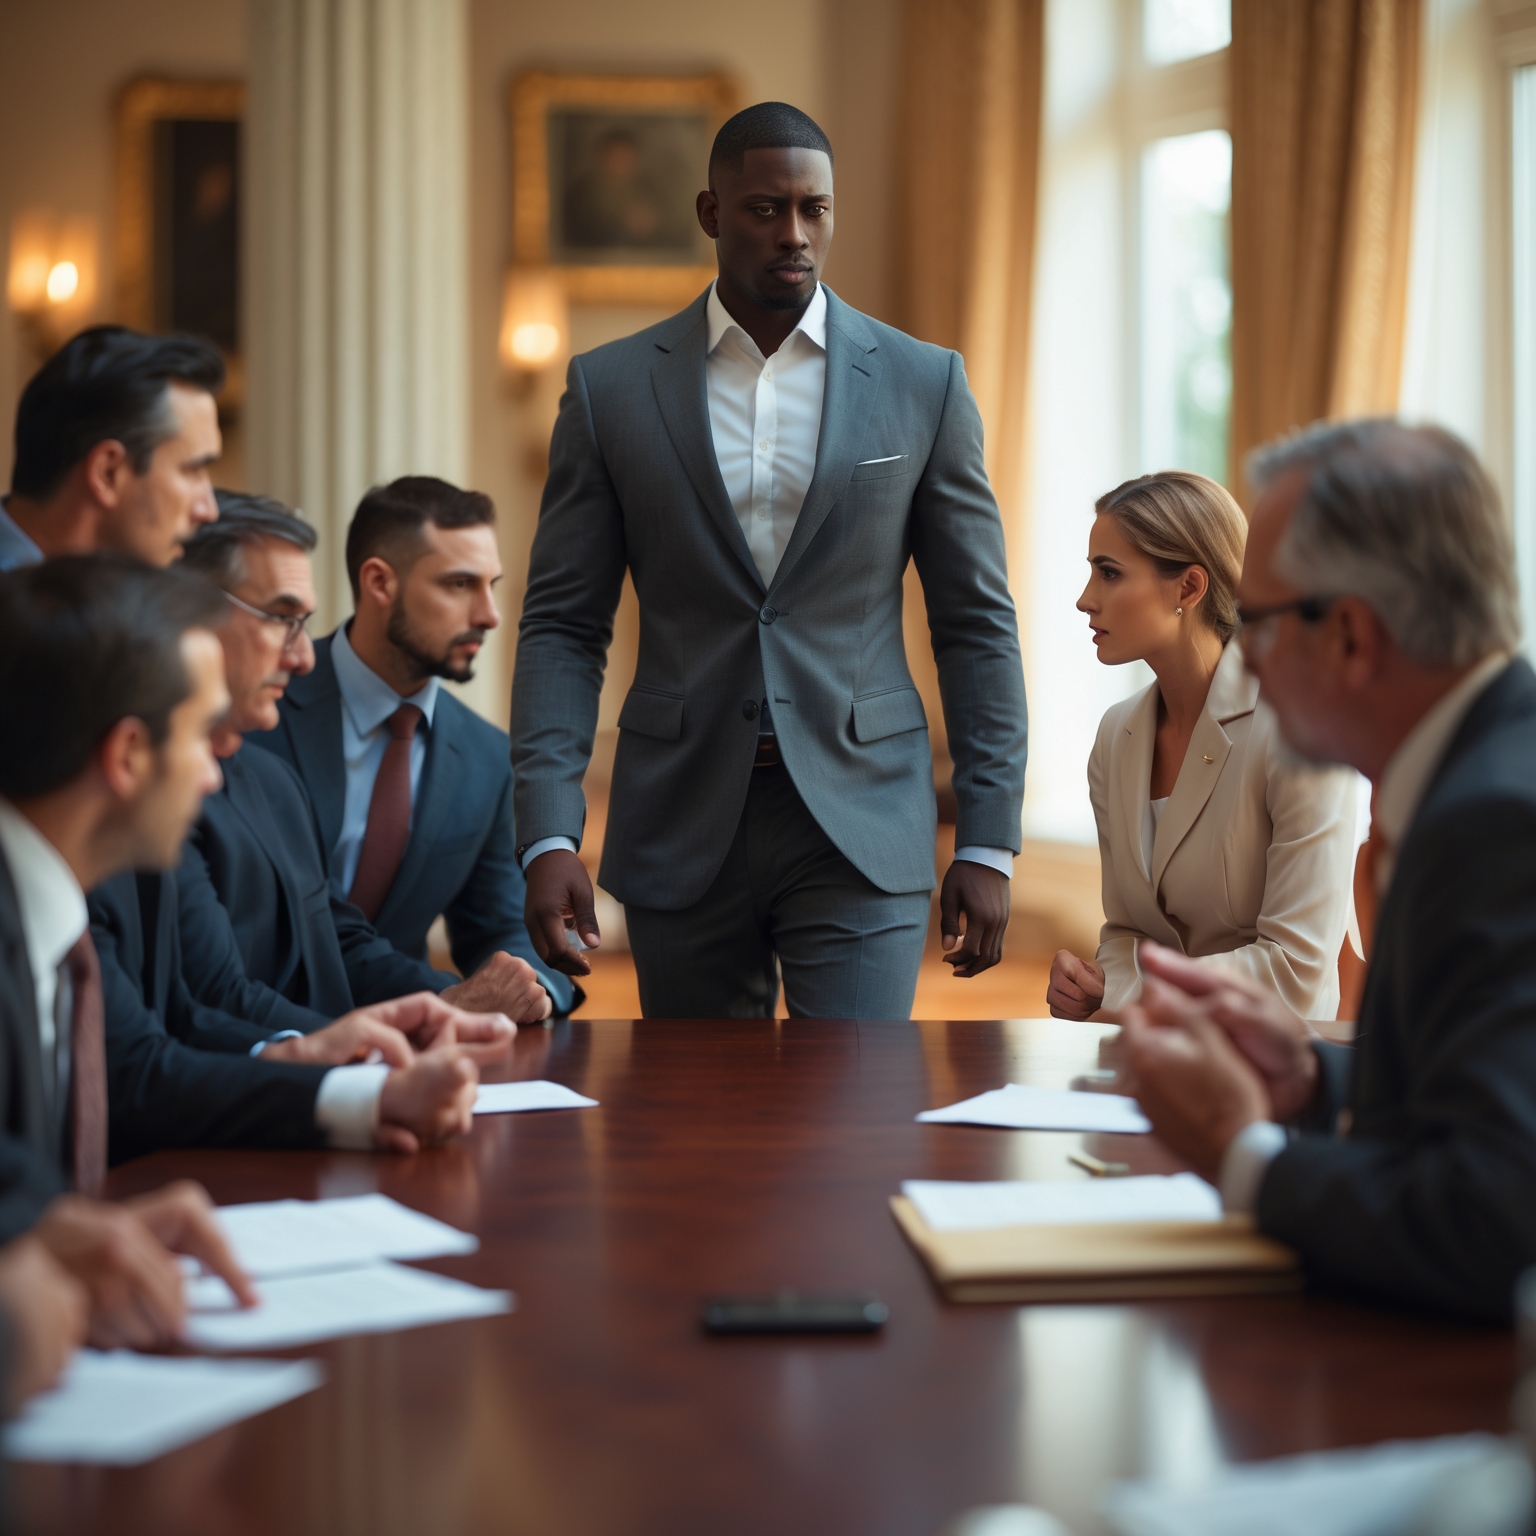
(1179, 611)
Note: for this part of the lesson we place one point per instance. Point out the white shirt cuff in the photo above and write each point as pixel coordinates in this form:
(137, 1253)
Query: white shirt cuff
(1000, 859)
(347, 1106)
(1246, 1162)
(282, 1034)
(547, 845)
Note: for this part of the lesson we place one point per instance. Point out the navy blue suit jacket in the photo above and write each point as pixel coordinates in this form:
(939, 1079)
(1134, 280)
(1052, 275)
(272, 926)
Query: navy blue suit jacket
(180, 1074)
(461, 861)
(1430, 1197)
(253, 867)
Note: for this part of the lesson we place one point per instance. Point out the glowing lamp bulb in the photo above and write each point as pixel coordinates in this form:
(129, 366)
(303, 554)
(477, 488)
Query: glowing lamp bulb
(534, 343)
(63, 281)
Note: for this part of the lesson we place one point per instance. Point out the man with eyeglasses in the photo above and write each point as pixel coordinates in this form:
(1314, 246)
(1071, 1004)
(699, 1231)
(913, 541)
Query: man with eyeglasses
(1380, 615)
(262, 935)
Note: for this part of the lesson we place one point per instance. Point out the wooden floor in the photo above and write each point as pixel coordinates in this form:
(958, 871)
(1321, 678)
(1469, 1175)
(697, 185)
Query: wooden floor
(1013, 990)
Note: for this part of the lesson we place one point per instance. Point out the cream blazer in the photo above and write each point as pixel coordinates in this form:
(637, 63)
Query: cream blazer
(1254, 854)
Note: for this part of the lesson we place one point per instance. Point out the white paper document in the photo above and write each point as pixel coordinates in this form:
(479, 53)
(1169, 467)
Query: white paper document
(953, 1207)
(1474, 1485)
(302, 1309)
(1022, 1108)
(287, 1237)
(120, 1409)
(511, 1098)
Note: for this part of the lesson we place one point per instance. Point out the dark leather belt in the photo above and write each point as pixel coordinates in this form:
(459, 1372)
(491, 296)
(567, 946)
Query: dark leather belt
(767, 753)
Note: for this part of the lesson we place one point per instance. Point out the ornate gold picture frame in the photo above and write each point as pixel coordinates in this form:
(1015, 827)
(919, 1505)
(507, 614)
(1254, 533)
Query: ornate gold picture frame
(178, 210)
(605, 169)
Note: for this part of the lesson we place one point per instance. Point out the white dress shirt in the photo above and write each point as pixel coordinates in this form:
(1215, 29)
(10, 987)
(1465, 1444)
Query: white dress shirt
(53, 917)
(367, 702)
(765, 423)
(1398, 795)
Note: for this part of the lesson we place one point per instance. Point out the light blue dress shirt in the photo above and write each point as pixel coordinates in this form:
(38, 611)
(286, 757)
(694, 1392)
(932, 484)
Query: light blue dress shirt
(16, 549)
(367, 702)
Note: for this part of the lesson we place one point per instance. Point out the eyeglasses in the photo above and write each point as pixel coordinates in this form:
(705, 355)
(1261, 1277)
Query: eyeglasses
(293, 623)
(1256, 627)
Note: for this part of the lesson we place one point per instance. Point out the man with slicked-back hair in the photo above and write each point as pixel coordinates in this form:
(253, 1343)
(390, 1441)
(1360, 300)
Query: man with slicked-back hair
(764, 465)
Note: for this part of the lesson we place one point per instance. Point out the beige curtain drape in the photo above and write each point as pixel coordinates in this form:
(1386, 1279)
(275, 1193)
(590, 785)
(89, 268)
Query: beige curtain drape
(968, 147)
(1324, 97)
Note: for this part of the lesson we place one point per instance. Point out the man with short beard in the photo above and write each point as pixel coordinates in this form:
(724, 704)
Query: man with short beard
(411, 790)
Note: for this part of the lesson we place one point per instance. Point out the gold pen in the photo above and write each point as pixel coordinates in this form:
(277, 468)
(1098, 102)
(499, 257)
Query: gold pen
(1098, 1168)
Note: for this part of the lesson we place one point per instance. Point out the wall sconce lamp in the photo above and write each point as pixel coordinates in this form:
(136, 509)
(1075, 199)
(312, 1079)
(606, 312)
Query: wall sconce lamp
(51, 283)
(535, 322)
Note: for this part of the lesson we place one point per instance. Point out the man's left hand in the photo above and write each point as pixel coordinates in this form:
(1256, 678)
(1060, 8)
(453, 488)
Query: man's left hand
(1190, 1080)
(973, 916)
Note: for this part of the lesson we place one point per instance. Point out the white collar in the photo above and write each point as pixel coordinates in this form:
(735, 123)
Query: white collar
(1407, 775)
(369, 700)
(53, 914)
(813, 322)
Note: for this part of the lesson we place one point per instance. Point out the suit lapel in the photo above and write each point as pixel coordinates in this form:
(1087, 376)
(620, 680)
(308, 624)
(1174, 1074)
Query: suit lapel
(1134, 774)
(1232, 694)
(853, 380)
(677, 377)
(441, 776)
(313, 719)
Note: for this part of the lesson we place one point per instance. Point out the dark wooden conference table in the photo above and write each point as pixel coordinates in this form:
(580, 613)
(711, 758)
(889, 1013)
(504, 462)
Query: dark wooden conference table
(744, 1157)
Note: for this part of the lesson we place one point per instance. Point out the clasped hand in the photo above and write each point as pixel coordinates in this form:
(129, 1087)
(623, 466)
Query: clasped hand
(1207, 1054)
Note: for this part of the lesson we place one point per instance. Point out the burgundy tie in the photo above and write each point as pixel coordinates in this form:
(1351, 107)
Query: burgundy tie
(389, 816)
(87, 1126)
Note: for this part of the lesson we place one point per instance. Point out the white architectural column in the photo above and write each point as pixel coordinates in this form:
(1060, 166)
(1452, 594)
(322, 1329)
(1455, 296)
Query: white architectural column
(355, 230)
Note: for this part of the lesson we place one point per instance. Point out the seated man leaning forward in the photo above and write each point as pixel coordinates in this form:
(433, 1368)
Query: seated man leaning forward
(254, 863)
(1380, 615)
(411, 789)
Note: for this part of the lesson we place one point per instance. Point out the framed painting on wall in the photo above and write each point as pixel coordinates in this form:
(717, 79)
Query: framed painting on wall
(178, 211)
(605, 170)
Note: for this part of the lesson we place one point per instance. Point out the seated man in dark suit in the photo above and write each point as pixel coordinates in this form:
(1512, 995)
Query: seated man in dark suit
(422, 559)
(253, 870)
(1380, 614)
(110, 678)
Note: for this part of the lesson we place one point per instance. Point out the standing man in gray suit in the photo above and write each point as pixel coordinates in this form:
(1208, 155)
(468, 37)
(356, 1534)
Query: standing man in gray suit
(765, 464)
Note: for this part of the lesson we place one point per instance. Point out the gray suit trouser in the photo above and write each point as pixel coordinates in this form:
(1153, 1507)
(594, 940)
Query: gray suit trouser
(846, 949)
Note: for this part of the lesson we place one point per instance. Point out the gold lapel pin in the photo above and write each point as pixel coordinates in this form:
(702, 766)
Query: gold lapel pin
(1208, 759)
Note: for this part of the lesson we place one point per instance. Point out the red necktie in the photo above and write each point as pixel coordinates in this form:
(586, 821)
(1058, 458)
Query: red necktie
(389, 816)
(87, 1125)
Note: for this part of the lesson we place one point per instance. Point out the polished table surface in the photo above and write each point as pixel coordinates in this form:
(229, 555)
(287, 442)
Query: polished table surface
(756, 1156)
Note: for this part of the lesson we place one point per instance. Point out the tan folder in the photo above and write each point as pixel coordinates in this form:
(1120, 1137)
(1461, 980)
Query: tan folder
(1109, 1261)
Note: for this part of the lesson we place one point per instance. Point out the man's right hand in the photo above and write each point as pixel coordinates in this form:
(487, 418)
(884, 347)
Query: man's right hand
(48, 1311)
(1275, 1042)
(560, 900)
(428, 1101)
(1076, 989)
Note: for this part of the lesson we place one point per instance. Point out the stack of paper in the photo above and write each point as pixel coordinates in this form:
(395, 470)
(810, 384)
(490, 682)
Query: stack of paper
(1087, 1239)
(1019, 1107)
(322, 1269)
(511, 1098)
(1469, 1485)
(120, 1409)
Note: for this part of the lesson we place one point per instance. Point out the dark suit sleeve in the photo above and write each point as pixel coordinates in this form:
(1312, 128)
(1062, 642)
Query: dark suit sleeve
(1436, 1208)
(163, 1092)
(957, 546)
(487, 913)
(27, 1184)
(376, 971)
(213, 967)
(575, 575)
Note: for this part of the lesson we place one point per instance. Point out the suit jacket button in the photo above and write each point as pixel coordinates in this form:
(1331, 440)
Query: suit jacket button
(749, 710)
(768, 614)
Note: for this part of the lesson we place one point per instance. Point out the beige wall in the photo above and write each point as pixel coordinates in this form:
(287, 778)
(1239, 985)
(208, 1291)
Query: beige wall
(62, 63)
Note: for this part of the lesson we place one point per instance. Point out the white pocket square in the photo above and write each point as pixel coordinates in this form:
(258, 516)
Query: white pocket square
(890, 458)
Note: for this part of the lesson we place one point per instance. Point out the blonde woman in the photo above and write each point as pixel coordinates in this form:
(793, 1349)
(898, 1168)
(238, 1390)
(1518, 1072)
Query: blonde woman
(1214, 840)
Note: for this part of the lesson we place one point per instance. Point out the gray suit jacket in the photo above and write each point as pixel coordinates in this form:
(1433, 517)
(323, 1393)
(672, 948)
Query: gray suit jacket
(634, 483)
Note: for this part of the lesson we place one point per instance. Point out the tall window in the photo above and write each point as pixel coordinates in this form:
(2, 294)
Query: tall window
(1132, 317)
(1186, 302)
(1523, 267)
